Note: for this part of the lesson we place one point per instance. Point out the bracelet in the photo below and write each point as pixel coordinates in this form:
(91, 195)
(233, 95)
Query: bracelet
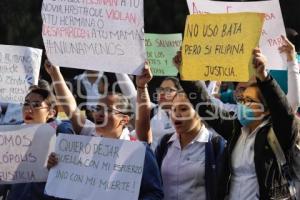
(140, 87)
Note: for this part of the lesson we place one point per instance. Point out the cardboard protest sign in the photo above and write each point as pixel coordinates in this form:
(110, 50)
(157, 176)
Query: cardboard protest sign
(19, 67)
(95, 35)
(93, 167)
(219, 46)
(272, 30)
(24, 151)
(161, 48)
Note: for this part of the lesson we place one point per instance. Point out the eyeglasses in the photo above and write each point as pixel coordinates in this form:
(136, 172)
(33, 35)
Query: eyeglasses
(248, 101)
(34, 105)
(105, 110)
(165, 90)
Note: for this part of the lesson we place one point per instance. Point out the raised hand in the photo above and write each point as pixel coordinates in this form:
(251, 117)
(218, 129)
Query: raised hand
(288, 48)
(50, 68)
(259, 64)
(146, 76)
(177, 60)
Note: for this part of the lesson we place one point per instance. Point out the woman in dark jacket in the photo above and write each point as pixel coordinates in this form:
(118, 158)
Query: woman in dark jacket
(255, 173)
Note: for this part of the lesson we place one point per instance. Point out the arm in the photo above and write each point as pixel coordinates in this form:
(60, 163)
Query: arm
(127, 87)
(293, 95)
(143, 106)
(282, 115)
(65, 97)
(151, 185)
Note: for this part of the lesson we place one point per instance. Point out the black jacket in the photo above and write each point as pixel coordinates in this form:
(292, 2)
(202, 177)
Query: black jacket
(283, 122)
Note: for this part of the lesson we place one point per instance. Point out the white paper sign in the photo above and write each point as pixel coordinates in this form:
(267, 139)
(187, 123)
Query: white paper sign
(94, 167)
(273, 27)
(96, 35)
(19, 69)
(24, 151)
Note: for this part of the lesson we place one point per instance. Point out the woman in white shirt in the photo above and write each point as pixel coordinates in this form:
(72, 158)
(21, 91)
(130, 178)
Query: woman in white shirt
(192, 157)
(111, 115)
(161, 123)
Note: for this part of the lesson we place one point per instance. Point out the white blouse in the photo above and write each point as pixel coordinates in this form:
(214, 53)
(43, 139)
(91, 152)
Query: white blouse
(183, 170)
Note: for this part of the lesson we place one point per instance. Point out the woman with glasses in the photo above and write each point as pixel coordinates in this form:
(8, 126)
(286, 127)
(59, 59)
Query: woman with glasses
(255, 172)
(39, 107)
(111, 116)
(160, 114)
(291, 86)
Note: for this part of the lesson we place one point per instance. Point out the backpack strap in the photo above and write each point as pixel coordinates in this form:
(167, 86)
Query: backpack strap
(210, 169)
(153, 111)
(284, 167)
(276, 148)
(162, 149)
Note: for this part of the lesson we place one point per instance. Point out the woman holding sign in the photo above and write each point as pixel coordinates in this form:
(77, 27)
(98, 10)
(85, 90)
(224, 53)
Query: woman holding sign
(263, 115)
(39, 107)
(191, 158)
(160, 119)
(111, 115)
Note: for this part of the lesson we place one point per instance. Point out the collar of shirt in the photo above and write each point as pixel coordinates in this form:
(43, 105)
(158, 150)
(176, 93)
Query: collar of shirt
(163, 114)
(246, 129)
(202, 137)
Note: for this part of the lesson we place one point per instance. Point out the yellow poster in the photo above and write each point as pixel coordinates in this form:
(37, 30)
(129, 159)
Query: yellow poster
(219, 46)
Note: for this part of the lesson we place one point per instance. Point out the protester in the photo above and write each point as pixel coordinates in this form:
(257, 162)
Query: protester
(293, 81)
(111, 115)
(39, 107)
(160, 114)
(254, 170)
(192, 158)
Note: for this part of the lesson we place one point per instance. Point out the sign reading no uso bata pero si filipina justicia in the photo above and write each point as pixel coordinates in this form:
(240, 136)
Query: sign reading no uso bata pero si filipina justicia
(219, 46)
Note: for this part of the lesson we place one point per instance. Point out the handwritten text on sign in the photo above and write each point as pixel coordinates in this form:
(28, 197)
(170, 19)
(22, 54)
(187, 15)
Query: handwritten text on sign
(219, 46)
(24, 151)
(161, 48)
(272, 30)
(93, 167)
(19, 67)
(97, 35)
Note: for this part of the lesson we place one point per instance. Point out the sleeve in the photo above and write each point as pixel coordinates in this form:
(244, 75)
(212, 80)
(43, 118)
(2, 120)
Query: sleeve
(293, 95)
(151, 185)
(65, 126)
(127, 87)
(283, 119)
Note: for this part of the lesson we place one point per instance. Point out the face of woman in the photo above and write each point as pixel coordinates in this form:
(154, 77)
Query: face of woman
(240, 88)
(36, 110)
(166, 93)
(184, 117)
(109, 120)
(251, 100)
